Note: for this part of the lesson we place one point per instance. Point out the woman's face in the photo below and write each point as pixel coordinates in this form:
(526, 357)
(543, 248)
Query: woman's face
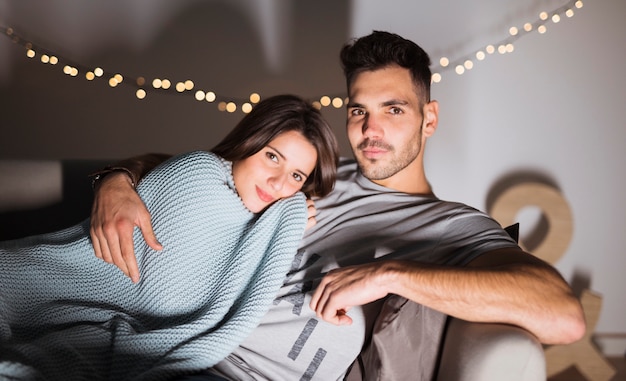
(277, 171)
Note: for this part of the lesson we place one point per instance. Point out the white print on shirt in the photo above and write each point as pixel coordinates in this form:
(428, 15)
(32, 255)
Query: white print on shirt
(296, 296)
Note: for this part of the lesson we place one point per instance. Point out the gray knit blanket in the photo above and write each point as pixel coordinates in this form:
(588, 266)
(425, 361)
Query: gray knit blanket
(66, 315)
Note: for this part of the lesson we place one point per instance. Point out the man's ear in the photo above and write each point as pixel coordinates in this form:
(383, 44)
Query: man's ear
(431, 118)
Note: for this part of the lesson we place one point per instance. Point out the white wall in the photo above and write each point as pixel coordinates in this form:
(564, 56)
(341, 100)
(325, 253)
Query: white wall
(554, 108)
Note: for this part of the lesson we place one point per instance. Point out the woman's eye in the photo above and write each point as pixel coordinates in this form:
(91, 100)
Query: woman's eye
(297, 177)
(272, 156)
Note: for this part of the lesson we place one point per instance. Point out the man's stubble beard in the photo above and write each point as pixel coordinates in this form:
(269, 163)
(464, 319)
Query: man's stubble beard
(375, 169)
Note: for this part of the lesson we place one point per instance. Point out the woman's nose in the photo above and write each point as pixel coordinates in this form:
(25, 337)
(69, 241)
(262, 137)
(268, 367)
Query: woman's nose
(276, 182)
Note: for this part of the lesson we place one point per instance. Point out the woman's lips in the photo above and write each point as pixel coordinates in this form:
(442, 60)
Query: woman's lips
(265, 197)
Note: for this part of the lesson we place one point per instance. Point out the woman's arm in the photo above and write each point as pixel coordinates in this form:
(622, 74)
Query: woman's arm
(117, 209)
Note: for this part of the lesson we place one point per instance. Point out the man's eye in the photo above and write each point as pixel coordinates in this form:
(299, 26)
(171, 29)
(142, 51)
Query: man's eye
(356, 112)
(396, 110)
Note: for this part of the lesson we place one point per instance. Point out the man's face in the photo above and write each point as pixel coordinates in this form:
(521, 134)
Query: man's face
(385, 125)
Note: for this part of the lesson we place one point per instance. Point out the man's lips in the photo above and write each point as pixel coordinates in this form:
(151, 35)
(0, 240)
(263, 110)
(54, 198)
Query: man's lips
(374, 148)
(264, 196)
(373, 152)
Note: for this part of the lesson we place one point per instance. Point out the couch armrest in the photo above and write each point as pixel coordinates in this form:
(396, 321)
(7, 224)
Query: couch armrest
(485, 352)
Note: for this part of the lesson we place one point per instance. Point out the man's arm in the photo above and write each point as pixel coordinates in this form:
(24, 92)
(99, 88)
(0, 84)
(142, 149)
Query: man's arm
(503, 286)
(117, 209)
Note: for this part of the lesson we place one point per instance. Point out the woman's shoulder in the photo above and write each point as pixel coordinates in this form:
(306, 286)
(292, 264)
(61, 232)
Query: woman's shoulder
(199, 165)
(197, 161)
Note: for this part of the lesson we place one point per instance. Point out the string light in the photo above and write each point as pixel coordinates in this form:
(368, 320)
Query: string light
(231, 104)
(506, 46)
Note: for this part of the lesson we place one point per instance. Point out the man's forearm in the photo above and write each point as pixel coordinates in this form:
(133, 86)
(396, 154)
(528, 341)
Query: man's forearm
(136, 167)
(528, 295)
(501, 286)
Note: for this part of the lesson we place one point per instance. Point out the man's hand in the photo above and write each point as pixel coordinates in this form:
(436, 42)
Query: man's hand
(311, 213)
(116, 210)
(343, 288)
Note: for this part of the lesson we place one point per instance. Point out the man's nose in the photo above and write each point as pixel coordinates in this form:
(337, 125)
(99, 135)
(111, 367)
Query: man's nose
(372, 127)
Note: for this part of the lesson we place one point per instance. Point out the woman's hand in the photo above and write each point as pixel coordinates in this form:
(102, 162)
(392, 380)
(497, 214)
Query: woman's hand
(116, 210)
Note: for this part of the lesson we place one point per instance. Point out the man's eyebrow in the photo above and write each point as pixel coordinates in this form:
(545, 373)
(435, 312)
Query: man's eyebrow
(390, 102)
(394, 102)
(354, 105)
(301, 172)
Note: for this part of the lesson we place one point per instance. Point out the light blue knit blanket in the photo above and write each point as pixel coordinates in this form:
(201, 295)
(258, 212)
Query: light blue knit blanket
(66, 315)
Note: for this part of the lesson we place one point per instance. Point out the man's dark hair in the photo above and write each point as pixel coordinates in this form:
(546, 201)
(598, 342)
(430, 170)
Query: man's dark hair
(382, 49)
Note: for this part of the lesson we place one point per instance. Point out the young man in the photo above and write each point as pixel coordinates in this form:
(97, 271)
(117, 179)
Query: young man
(381, 231)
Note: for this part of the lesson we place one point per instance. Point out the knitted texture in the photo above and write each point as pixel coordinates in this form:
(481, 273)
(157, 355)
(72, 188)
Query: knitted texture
(66, 315)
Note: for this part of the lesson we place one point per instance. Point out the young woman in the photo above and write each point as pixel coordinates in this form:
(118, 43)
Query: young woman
(236, 217)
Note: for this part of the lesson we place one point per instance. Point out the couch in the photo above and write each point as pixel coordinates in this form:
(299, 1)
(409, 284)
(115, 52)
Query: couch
(38, 196)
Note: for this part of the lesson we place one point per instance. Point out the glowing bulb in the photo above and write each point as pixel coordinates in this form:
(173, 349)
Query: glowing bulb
(513, 31)
(480, 55)
(189, 84)
(246, 107)
(509, 48)
(528, 27)
(156, 83)
(90, 76)
(325, 101)
(337, 102)
(569, 13)
(98, 72)
(45, 58)
(166, 84)
(317, 105)
(436, 78)
(255, 98)
(459, 69)
(210, 96)
(556, 18)
(30, 53)
(54, 60)
(74, 72)
(118, 78)
(141, 93)
(490, 49)
(113, 82)
(501, 49)
(578, 4)
(444, 61)
(180, 87)
(67, 69)
(231, 107)
(543, 16)
(468, 64)
(542, 29)
(200, 95)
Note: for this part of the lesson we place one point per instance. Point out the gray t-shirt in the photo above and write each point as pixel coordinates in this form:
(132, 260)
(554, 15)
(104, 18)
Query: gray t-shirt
(358, 222)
